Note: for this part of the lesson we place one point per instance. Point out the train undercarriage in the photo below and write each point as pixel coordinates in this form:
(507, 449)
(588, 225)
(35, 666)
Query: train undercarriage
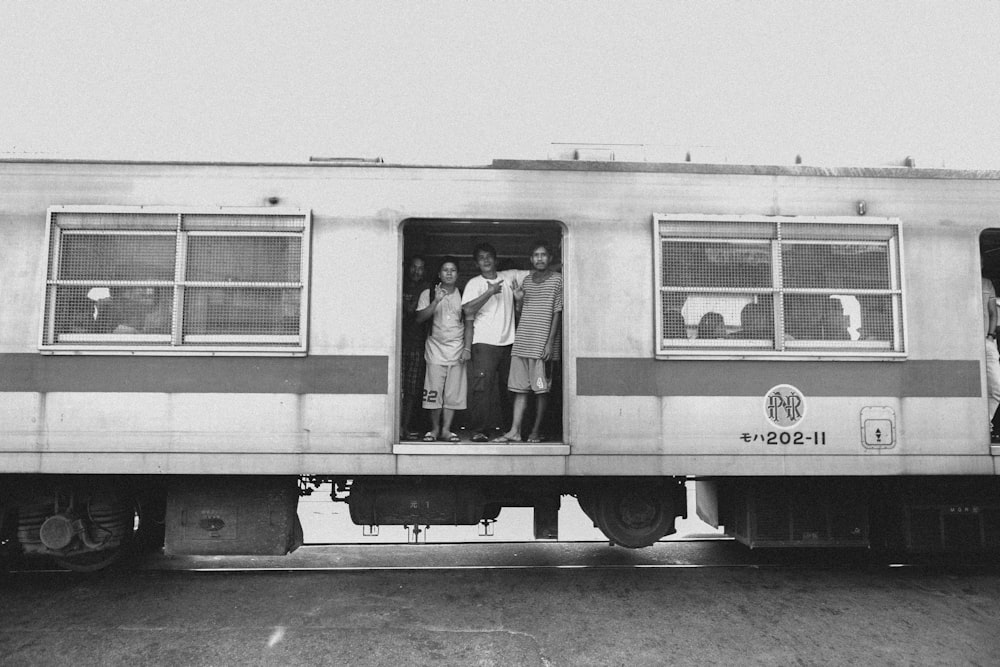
(88, 523)
(83, 523)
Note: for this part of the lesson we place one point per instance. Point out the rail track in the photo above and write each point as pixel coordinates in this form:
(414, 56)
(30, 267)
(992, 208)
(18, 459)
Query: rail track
(683, 553)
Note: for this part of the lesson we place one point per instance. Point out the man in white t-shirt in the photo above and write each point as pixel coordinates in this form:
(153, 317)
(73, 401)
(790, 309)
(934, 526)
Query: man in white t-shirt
(488, 304)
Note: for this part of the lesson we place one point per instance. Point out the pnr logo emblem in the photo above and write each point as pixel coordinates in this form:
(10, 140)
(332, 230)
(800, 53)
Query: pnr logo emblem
(784, 406)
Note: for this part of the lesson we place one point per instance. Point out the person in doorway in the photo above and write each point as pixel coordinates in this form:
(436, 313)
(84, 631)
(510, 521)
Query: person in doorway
(414, 334)
(540, 300)
(488, 304)
(445, 352)
(992, 353)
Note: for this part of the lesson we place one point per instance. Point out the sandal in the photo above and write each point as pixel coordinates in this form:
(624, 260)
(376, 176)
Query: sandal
(429, 436)
(480, 437)
(535, 439)
(450, 437)
(504, 440)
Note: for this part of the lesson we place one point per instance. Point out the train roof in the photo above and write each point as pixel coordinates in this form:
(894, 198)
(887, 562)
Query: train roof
(904, 172)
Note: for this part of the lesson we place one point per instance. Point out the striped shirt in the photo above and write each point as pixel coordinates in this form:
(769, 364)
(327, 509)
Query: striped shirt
(541, 302)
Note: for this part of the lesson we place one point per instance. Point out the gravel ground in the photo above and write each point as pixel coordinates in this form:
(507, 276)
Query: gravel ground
(607, 616)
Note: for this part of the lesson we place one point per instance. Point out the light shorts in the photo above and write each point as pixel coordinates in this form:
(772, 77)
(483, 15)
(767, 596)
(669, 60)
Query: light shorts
(528, 375)
(445, 386)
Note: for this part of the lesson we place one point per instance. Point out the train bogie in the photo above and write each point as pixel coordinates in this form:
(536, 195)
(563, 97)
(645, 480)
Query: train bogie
(82, 522)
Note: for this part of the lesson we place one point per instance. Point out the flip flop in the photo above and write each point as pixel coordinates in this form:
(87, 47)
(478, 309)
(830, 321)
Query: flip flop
(534, 440)
(504, 440)
(429, 436)
(480, 437)
(451, 437)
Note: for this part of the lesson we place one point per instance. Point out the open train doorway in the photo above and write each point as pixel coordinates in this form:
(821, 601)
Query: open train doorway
(489, 406)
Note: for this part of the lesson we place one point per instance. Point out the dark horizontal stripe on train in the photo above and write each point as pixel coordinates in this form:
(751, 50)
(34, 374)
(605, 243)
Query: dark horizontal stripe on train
(689, 377)
(317, 374)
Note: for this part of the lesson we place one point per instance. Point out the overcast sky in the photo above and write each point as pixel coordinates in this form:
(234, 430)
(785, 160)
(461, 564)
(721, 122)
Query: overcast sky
(449, 82)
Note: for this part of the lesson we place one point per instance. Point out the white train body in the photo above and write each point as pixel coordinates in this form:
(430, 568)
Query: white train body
(320, 397)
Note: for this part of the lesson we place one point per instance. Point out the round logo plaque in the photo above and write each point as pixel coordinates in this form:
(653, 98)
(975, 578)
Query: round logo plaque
(784, 406)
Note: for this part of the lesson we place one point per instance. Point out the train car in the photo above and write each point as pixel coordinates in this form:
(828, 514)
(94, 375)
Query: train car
(187, 347)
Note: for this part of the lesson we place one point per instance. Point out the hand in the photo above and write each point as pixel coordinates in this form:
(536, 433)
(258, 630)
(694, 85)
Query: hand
(518, 291)
(547, 352)
(466, 354)
(439, 293)
(497, 287)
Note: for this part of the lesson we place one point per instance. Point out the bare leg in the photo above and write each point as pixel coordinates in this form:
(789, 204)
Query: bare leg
(541, 402)
(446, 426)
(520, 402)
(435, 414)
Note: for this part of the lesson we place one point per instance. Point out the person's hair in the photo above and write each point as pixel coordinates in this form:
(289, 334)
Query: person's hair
(410, 259)
(483, 247)
(542, 243)
(709, 324)
(673, 324)
(447, 259)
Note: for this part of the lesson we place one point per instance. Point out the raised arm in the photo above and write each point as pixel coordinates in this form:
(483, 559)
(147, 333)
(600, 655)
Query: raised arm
(427, 312)
(473, 306)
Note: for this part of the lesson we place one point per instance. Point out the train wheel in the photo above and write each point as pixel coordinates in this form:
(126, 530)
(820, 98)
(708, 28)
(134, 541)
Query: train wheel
(634, 517)
(130, 528)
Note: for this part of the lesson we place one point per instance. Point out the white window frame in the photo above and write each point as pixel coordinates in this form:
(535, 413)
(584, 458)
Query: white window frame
(175, 343)
(782, 348)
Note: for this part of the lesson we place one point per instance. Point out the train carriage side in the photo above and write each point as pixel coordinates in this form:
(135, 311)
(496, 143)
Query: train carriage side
(193, 341)
(276, 361)
(855, 415)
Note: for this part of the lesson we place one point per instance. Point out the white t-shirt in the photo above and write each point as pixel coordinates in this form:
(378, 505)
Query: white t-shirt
(494, 323)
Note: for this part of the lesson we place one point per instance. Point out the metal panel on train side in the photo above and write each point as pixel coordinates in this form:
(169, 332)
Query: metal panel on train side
(688, 416)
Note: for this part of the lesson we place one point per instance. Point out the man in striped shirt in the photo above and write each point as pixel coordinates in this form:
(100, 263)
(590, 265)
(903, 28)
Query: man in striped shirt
(536, 341)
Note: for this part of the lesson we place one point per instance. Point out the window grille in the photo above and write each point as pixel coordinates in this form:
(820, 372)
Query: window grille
(156, 280)
(755, 285)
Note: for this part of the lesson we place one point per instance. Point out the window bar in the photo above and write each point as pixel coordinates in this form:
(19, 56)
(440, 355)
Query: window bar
(658, 272)
(778, 290)
(853, 291)
(897, 316)
(243, 284)
(304, 277)
(180, 267)
(52, 279)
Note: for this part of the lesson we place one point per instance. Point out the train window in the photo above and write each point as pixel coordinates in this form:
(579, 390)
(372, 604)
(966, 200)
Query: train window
(764, 285)
(155, 280)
